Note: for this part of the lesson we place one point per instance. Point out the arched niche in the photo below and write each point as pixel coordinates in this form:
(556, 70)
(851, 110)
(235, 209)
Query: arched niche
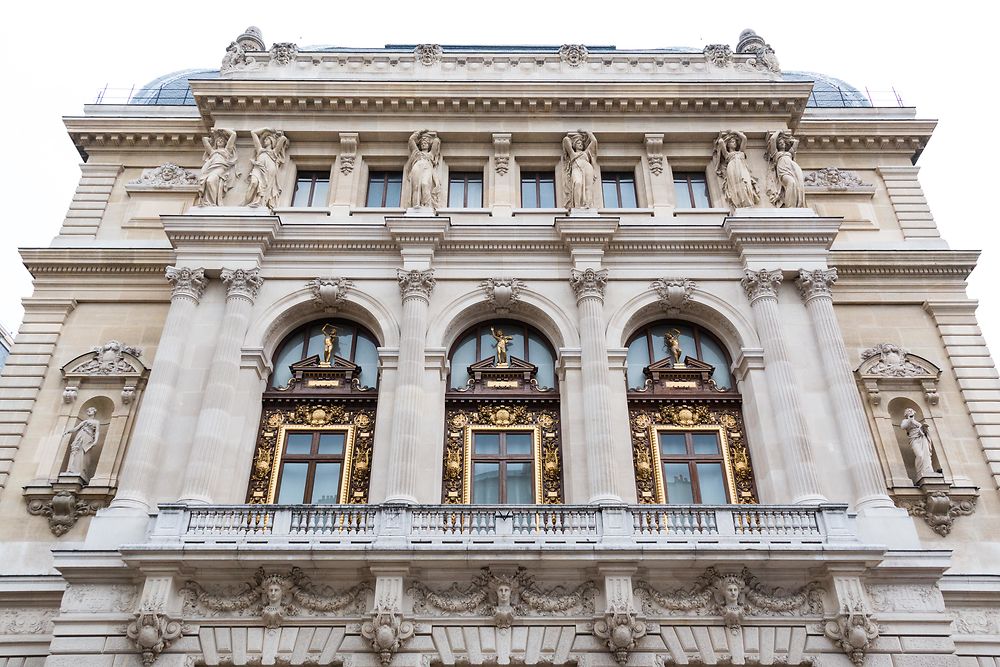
(105, 410)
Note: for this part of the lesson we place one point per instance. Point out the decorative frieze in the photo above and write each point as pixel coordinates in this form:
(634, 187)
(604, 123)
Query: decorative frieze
(834, 178)
(27, 621)
(167, 176)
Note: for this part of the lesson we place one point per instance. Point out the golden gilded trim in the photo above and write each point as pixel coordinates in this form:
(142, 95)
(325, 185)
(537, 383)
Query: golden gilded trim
(547, 459)
(275, 422)
(646, 422)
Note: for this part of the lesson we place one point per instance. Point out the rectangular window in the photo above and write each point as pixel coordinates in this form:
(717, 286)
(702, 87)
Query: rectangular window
(465, 189)
(502, 467)
(692, 467)
(538, 189)
(384, 189)
(619, 189)
(691, 189)
(312, 463)
(312, 188)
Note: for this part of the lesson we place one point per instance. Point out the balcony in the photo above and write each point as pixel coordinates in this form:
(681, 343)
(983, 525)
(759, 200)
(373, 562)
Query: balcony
(491, 527)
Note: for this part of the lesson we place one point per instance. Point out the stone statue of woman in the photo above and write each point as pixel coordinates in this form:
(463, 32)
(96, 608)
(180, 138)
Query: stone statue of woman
(271, 148)
(215, 178)
(85, 435)
(580, 162)
(421, 183)
(785, 184)
(738, 182)
(920, 443)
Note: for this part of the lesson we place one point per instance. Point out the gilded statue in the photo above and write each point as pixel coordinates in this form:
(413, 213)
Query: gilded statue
(421, 182)
(920, 443)
(329, 336)
(785, 183)
(672, 341)
(731, 165)
(85, 436)
(216, 175)
(271, 148)
(501, 358)
(580, 163)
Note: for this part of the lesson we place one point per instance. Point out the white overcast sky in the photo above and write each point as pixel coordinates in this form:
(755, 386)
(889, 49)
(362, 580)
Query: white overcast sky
(939, 56)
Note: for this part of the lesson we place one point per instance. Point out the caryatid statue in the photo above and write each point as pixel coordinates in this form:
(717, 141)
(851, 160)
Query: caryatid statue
(271, 148)
(920, 443)
(785, 183)
(580, 163)
(421, 182)
(85, 435)
(216, 175)
(731, 165)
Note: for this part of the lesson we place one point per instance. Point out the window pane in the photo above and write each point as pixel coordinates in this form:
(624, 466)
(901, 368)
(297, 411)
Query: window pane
(289, 354)
(321, 192)
(677, 479)
(332, 444)
(711, 484)
(475, 193)
(463, 357)
(627, 187)
(519, 444)
(303, 186)
(528, 198)
(456, 192)
(540, 355)
(519, 484)
(672, 444)
(298, 443)
(366, 356)
(682, 196)
(486, 443)
(700, 188)
(326, 484)
(706, 444)
(515, 348)
(547, 192)
(712, 354)
(394, 190)
(316, 341)
(293, 483)
(611, 194)
(376, 189)
(659, 344)
(485, 483)
(638, 358)
(344, 341)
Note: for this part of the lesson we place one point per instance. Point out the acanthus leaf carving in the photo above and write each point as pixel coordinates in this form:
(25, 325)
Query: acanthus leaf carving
(64, 509)
(620, 631)
(387, 630)
(415, 283)
(816, 283)
(167, 175)
(762, 283)
(939, 509)
(243, 283)
(187, 282)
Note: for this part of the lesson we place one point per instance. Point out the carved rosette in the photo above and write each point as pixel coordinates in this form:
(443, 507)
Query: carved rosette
(719, 55)
(428, 54)
(360, 425)
(329, 293)
(853, 631)
(187, 283)
(589, 283)
(416, 284)
(461, 422)
(167, 175)
(675, 293)
(761, 284)
(242, 283)
(834, 178)
(574, 55)
(502, 293)
(816, 283)
(645, 419)
(152, 631)
(283, 53)
(64, 509)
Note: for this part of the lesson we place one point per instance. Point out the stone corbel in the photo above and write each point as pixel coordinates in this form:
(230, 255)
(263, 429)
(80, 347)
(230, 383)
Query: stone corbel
(348, 151)
(70, 393)
(64, 503)
(387, 630)
(854, 629)
(654, 153)
(619, 629)
(501, 153)
(940, 503)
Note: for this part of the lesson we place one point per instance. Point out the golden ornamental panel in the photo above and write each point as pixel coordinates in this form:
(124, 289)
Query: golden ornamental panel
(462, 422)
(357, 423)
(646, 420)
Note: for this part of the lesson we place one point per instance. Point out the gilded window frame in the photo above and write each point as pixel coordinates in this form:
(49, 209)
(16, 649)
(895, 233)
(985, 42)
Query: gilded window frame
(654, 439)
(536, 457)
(345, 468)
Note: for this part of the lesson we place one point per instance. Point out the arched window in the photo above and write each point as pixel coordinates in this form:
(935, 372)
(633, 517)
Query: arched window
(502, 437)
(317, 425)
(688, 440)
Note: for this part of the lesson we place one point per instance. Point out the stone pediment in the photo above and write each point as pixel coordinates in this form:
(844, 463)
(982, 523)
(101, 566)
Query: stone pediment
(113, 360)
(311, 375)
(691, 377)
(890, 366)
(517, 376)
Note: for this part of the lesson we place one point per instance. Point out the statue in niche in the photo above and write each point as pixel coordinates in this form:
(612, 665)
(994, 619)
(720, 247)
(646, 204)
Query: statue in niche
(271, 148)
(502, 360)
(329, 336)
(215, 178)
(785, 183)
(85, 435)
(421, 183)
(920, 443)
(731, 165)
(580, 162)
(672, 341)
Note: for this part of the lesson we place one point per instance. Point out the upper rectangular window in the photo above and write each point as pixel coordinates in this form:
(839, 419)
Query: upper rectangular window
(538, 189)
(384, 189)
(465, 189)
(619, 189)
(312, 188)
(311, 467)
(502, 467)
(691, 189)
(692, 467)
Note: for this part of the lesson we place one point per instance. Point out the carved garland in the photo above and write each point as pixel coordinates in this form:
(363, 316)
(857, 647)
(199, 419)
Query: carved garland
(462, 422)
(726, 420)
(358, 423)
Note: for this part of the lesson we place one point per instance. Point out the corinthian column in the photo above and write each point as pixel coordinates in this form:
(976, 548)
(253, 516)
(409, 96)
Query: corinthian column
(140, 467)
(589, 287)
(207, 458)
(415, 288)
(850, 413)
(762, 290)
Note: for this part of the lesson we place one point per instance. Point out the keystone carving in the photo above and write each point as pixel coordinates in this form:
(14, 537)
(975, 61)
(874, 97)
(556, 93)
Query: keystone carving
(620, 630)
(502, 293)
(152, 631)
(329, 293)
(675, 293)
(167, 175)
(853, 631)
(387, 631)
(64, 509)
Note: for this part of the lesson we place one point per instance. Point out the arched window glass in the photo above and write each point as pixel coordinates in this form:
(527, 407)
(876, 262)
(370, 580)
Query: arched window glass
(352, 342)
(649, 344)
(527, 344)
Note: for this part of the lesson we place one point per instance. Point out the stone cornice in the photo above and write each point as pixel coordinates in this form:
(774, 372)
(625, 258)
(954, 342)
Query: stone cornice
(123, 132)
(905, 264)
(150, 261)
(223, 239)
(872, 135)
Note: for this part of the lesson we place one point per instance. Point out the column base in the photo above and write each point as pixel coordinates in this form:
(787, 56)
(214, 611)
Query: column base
(126, 505)
(875, 501)
(606, 499)
(891, 526)
(810, 499)
(401, 500)
(194, 500)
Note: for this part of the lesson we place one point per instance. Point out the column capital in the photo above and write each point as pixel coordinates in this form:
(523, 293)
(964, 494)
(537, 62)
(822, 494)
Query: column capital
(814, 283)
(189, 283)
(588, 283)
(242, 283)
(761, 284)
(415, 284)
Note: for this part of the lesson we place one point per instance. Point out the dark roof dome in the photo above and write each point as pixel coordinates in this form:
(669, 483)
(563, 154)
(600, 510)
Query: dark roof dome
(172, 88)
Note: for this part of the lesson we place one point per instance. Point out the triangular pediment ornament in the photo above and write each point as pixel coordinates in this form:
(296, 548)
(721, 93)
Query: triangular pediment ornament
(690, 365)
(891, 361)
(516, 376)
(313, 375)
(514, 365)
(114, 359)
(314, 363)
(667, 376)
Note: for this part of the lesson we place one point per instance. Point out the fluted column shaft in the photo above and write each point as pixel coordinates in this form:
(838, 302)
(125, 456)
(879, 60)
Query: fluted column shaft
(589, 288)
(847, 407)
(206, 461)
(762, 290)
(140, 467)
(415, 289)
